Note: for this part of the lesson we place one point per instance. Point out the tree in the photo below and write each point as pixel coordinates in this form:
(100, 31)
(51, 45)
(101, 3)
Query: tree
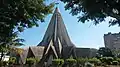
(104, 52)
(16, 15)
(96, 10)
(116, 52)
(21, 14)
(10, 44)
(16, 52)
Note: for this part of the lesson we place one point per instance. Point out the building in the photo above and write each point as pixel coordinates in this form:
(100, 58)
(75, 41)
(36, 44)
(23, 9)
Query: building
(32, 51)
(112, 41)
(56, 44)
(56, 40)
(85, 52)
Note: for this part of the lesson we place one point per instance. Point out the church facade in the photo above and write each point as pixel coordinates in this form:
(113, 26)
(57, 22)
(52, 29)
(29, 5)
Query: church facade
(56, 44)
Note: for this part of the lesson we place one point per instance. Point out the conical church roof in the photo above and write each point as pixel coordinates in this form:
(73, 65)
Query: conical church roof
(56, 39)
(57, 32)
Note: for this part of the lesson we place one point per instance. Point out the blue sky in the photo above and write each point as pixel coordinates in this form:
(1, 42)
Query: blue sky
(82, 35)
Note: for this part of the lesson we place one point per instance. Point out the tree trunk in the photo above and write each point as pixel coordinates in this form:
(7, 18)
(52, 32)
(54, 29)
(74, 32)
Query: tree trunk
(2, 54)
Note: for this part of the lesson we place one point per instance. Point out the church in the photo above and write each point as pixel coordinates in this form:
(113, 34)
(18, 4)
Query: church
(55, 44)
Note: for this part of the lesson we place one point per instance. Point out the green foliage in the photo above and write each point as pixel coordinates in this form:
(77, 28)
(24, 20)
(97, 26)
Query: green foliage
(95, 10)
(89, 65)
(118, 59)
(8, 42)
(23, 13)
(12, 60)
(104, 52)
(107, 60)
(115, 62)
(37, 60)
(58, 62)
(17, 15)
(4, 63)
(30, 61)
(86, 62)
(110, 58)
(94, 60)
(82, 60)
(71, 62)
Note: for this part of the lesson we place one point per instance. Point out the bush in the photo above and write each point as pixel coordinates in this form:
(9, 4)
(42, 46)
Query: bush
(110, 58)
(12, 60)
(89, 64)
(37, 60)
(115, 62)
(118, 59)
(30, 61)
(4, 63)
(94, 61)
(107, 60)
(71, 62)
(58, 62)
(81, 61)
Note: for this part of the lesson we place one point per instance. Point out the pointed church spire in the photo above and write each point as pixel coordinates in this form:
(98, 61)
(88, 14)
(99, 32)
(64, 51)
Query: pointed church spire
(56, 39)
(56, 10)
(56, 32)
(56, 29)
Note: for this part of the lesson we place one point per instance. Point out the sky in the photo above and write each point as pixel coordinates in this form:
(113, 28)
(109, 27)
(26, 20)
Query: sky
(86, 35)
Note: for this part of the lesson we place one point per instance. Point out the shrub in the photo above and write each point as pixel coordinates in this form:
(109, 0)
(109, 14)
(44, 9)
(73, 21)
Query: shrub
(107, 60)
(95, 61)
(4, 63)
(110, 58)
(89, 64)
(58, 62)
(81, 61)
(115, 62)
(71, 62)
(118, 59)
(12, 60)
(30, 61)
(37, 60)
